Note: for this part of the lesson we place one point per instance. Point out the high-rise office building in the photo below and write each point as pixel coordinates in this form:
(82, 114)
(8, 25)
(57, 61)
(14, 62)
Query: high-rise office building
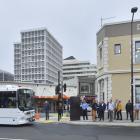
(38, 57)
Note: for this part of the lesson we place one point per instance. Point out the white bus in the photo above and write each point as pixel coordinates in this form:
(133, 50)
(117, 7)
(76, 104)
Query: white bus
(16, 105)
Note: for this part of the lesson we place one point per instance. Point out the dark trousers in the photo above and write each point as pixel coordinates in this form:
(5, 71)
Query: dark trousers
(60, 112)
(119, 115)
(101, 115)
(108, 114)
(85, 116)
(47, 115)
(115, 114)
(128, 114)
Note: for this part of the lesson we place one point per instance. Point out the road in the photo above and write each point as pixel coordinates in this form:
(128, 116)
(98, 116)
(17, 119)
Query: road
(68, 132)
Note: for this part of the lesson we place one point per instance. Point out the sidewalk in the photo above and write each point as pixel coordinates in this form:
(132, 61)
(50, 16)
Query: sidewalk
(53, 118)
(66, 120)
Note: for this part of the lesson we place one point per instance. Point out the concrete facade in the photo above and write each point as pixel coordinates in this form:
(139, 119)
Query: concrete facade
(80, 74)
(38, 57)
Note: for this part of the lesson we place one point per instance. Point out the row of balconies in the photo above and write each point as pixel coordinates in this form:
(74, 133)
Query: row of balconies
(80, 74)
(33, 45)
(32, 36)
(33, 33)
(78, 66)
(33, 58)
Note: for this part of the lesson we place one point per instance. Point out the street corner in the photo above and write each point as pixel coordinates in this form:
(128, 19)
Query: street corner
(65, 119)
(45, 121)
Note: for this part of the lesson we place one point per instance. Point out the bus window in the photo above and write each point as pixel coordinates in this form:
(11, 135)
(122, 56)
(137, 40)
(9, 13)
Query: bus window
(7, 99)
(25, 99)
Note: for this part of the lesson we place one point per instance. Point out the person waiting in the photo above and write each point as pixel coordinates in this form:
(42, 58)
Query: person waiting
(128, 108)
(137, 107)
(94, 110)
(46, 109)
(84, 107)
(110, 110)
(119, 110)
(102, 107)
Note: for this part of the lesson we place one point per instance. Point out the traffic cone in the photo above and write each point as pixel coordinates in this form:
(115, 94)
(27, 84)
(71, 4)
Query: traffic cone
(37, 115)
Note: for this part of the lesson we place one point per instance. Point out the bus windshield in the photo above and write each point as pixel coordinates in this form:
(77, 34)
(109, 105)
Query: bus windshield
(25, 99)
(8, 99)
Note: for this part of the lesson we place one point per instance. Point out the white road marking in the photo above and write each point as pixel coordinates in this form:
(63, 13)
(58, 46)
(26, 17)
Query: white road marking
(11, 139)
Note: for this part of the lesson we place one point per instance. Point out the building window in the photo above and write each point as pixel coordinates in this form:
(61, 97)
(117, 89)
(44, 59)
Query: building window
(84, 88)
(117, 48)
(100, 56)
(101, 89)
(138, 26)
(100, 51)
(137, 52)
(137, 90)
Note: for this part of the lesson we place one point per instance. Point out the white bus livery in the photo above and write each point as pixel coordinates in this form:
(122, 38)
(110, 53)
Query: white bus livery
(16, 105)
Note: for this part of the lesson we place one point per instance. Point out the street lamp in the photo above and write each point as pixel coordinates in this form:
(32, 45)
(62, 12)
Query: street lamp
(133, 11)
(59, 92)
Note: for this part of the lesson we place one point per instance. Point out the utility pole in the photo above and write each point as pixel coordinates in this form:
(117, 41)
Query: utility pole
(60, 98)
(133, 11)
(58, 94)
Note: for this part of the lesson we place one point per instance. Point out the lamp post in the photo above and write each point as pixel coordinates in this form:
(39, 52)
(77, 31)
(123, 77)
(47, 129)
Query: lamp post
(133, 11)
(60, 97)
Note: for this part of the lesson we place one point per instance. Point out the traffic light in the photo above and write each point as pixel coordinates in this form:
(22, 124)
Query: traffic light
(65, 87)
(57, 89)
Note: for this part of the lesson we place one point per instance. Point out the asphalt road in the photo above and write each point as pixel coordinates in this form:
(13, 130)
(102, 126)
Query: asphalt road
(68, 132)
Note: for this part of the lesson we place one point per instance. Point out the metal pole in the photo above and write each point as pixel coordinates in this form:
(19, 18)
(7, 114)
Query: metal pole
(58, 77)
(79, 89)
(62, 98)
(101, 21)
(3, 77)
(132, 96)
(58, 94)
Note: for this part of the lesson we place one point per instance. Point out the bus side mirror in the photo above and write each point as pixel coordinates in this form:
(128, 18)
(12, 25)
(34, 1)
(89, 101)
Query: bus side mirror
(22, 108)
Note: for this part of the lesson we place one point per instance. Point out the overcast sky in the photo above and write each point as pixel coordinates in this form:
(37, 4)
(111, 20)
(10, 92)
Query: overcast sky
(73, 23)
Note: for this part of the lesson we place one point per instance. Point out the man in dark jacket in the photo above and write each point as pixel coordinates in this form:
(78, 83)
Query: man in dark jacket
(46, 108)
(128, 108)
(102, 107)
